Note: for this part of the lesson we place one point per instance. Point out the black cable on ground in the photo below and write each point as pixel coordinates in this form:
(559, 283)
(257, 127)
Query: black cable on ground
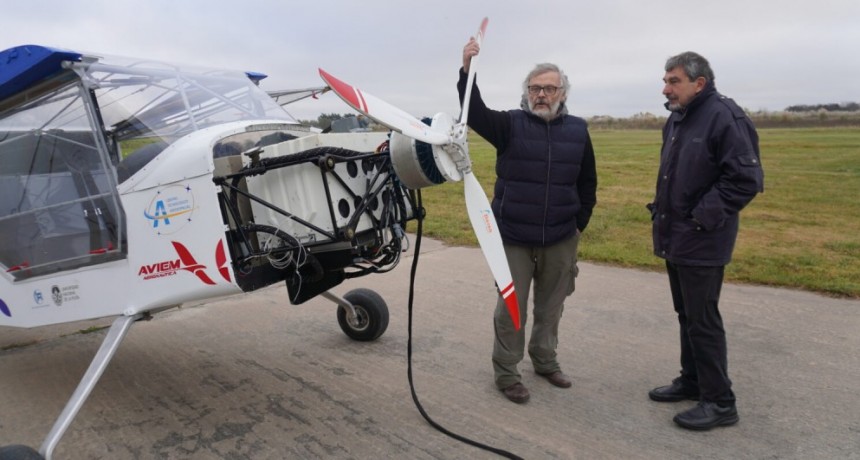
(420, 217)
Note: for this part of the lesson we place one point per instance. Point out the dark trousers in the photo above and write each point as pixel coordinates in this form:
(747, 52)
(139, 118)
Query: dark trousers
(704, 357)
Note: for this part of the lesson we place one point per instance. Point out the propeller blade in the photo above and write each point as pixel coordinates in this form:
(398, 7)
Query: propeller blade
(473, 65)
(479, 210)
(383, 112)
(486, 229)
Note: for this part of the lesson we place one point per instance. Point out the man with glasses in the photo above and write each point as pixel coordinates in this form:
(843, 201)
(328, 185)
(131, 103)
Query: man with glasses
(546, 188)
(710, 169)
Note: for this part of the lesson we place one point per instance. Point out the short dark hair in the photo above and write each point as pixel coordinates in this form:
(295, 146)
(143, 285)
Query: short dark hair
(694, 65)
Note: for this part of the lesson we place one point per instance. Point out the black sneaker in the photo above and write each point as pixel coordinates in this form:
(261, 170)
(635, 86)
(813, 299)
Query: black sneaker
(707, 415)
(677, 391)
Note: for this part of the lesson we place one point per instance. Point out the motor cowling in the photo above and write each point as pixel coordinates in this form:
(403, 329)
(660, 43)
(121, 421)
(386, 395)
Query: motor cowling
(419, 164)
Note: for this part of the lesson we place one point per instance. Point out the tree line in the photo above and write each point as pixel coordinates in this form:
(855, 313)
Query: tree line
(843, 107)
(795, 116)
(324, 120)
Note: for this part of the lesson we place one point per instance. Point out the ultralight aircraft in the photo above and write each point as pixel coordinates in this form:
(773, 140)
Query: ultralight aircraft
(130, 186)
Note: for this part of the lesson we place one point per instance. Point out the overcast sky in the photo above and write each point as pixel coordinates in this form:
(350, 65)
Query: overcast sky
(766, 54)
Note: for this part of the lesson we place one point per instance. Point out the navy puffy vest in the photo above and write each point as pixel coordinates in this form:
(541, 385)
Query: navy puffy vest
(535, 198)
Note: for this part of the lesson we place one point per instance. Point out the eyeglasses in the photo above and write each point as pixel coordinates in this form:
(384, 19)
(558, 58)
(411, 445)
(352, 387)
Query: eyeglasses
(534, 90)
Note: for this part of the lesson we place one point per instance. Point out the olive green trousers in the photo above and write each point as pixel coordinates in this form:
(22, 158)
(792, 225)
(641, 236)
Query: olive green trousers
(552, 271)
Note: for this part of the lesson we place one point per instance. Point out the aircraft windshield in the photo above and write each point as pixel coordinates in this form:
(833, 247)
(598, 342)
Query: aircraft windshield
(146, 99)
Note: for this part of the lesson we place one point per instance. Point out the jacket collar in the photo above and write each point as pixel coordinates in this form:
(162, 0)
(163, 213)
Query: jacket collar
(698, 100)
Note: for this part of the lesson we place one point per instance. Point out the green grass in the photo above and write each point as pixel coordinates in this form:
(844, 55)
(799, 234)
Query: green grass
(92, 329)
(18, 345)
(803, 232)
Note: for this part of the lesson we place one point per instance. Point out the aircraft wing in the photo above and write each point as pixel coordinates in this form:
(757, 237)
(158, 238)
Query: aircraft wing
(288, 96)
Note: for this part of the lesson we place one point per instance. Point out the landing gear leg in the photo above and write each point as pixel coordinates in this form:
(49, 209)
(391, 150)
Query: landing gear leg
(114, 337)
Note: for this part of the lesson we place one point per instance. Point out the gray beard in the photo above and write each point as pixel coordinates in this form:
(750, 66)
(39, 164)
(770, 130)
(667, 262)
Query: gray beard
(546, 114)
(556, 110)
(674, 107)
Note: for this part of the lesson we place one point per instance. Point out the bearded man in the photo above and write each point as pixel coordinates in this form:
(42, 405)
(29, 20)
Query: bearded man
(545, 191)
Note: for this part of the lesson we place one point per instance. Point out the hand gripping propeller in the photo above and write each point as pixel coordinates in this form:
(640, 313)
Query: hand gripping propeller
(450, 158)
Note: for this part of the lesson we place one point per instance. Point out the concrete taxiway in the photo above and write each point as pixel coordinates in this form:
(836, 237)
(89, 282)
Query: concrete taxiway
(254, 377)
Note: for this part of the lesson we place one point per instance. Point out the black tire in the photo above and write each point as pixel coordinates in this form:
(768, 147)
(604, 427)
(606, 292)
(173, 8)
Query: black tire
(372, 313)
(19, 452)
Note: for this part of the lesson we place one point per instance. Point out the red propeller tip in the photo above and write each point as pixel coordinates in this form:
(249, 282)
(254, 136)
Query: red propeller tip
(513, 305)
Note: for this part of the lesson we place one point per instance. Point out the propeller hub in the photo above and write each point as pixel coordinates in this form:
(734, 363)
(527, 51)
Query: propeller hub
(419, 164)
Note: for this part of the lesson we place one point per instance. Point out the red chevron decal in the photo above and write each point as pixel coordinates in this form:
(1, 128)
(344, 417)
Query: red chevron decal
(221, 260)
(190, 264)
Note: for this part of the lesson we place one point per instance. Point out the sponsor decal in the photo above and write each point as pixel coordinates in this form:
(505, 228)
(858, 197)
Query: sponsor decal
(56, 295)
(170, 209)
(159, 269)
(38, 297)
(487, 215)
(64, 294)
(186, 262)
(5, 309)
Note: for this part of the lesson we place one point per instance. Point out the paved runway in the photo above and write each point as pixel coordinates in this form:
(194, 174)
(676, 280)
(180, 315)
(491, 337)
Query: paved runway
(253, 377)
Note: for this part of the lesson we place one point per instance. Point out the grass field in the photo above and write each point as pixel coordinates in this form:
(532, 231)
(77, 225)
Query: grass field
(803, 232)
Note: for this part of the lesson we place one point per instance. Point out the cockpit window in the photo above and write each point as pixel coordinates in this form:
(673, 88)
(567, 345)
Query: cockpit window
(58, 209)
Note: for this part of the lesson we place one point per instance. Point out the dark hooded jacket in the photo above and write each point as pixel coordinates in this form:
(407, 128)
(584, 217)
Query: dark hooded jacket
(710, 168)
(546, 185)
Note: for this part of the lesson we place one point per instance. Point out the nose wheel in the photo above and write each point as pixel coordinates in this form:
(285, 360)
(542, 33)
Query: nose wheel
(362, 314)
(19, 452)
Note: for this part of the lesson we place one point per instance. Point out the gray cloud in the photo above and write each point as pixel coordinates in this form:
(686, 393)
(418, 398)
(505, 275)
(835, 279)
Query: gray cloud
(767, 54)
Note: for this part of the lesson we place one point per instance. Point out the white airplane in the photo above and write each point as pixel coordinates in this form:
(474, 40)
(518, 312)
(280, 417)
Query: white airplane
(131, 186)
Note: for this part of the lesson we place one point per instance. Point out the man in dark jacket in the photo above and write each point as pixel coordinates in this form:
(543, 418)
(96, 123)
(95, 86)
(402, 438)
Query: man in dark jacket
(710, 168)
(544, 194)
